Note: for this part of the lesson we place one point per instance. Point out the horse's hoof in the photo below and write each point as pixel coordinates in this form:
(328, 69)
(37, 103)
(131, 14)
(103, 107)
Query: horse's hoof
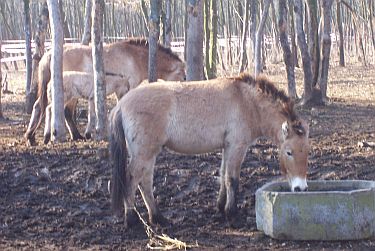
(47, 138)
(160, 220)
(78, 137)
(231, 213)
(236, 223)
(221, 206)
(132, 220)
(88, 135)
(30, 140)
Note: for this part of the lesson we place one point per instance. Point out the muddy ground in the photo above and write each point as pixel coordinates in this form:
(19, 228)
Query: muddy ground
(56, 197)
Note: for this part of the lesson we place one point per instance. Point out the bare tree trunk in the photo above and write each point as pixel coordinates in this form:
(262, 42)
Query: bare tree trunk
(153, 37)
(341, 33)
(211, 37)
(288, 57)
(167, 28)
(194, 42)
(39, 39)
(58, 120)
(313, 42)
(87, 30)
(27, 27)
(326, 48)
(253, 25)
(244, 60)
(98, 65)
(293, 34)
(306, 61)
(371, 13)
(63, 20)
(206, 25)
(144, 13)
(259, 36)
(1, 82)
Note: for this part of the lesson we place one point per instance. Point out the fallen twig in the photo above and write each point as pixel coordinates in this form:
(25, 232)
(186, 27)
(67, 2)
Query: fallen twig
(163, 241)
(366, 144)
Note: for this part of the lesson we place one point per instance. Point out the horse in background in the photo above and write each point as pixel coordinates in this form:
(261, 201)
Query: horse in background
(125, 58)
(78, 85)
(200, 117)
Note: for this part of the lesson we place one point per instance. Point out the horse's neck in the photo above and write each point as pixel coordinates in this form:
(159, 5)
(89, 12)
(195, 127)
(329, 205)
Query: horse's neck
(270, 123)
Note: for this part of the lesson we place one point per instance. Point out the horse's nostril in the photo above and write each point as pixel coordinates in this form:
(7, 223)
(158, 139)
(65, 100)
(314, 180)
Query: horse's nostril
(297, 189)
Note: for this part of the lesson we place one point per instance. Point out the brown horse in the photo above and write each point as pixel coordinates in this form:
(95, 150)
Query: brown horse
(126, 58)
(78, 85)
(199, 117)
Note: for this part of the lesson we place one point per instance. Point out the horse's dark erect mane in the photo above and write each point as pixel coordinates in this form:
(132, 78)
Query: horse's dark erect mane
(144, 42)
(269, 89)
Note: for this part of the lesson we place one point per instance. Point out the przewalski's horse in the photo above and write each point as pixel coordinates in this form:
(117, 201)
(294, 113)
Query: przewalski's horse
(126, 58)
(199, 117)
(78, 85)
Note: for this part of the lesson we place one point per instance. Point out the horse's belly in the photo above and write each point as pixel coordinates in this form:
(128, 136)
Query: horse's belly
(194, 142)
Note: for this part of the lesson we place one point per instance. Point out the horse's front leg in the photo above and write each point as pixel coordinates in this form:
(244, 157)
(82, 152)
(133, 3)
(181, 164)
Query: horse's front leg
(90, 119)
(234, 155)
(47, 127)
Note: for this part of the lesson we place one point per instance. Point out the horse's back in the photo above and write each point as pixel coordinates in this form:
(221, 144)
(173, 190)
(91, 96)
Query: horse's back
(189, 117)
(78, 84)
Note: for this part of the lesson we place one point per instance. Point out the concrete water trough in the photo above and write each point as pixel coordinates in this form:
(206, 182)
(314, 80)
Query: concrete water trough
(329, 210)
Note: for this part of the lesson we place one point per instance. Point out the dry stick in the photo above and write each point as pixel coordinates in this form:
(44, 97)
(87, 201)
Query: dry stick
(162, 242)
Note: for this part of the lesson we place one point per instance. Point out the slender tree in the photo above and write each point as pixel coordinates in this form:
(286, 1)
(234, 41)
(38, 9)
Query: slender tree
(313, 38)
(293, 33)
(153, 38)
(1, 81)
(326, 47)
(371, 16)
(86, 38)
(58, 121)
(211, 37)
(243, 51)
(26, 8)
(98, 65)
(287, 53)
(259, 37)
(145, 15)
(341, 33)
(253, 25)
(167, 24)
(306, 61)
(39, 38)
(194, 42)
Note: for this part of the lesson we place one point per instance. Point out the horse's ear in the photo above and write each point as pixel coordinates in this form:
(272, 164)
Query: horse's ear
(285, 130)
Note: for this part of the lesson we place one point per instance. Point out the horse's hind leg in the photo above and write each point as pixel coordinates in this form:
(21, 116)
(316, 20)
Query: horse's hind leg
(134, 174)
(47, 127)
(33, 124)
(90, 119)
(146, 186)
(69, 118)
(222, 198)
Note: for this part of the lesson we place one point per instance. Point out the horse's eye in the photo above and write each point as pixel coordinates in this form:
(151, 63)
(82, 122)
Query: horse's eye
(289, 153)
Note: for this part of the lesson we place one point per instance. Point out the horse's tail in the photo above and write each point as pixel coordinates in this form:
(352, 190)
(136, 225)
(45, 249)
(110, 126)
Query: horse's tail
(44, 77)
(119, 158)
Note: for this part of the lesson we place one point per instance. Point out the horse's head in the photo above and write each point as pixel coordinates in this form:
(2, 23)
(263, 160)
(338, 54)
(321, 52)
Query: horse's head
(176, 71)
(294, 149)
